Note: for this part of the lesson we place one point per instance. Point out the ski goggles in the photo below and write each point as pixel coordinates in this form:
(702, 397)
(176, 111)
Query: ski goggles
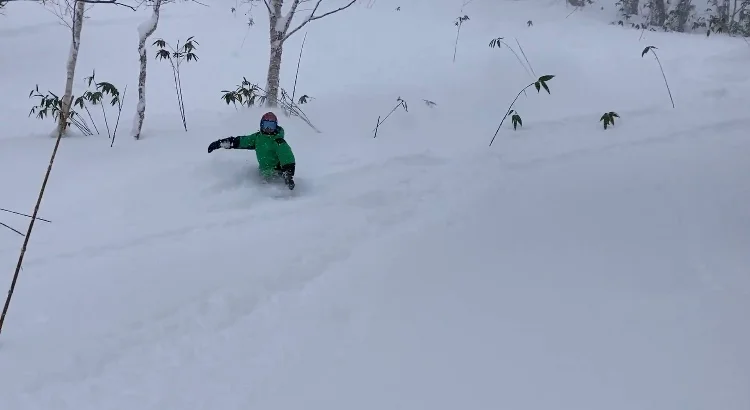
(268, 125)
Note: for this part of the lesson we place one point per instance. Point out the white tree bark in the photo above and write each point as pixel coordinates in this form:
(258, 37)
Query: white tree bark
(278, 33)
(145, 31)
(75, 45)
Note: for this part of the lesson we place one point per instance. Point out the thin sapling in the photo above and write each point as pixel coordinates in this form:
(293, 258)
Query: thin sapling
(497, 42)
(401, 103)
(651, 49)
(176, 57)
(525, 58)
(458, 23)
(296, 75)
(539, 84)
(95, 97)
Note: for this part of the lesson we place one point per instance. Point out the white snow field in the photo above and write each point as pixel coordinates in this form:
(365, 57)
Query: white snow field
(564, 268)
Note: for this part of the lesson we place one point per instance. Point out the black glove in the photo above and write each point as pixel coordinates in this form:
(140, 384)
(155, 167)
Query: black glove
(227, 143)
(288, 172)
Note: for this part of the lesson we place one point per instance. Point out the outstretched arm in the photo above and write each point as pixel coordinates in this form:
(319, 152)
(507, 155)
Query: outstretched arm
(241, 142)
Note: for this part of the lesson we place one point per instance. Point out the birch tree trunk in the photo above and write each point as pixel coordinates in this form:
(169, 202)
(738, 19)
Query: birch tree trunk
(145, 31)
(274, 73)
(276, 37)
(75, 44)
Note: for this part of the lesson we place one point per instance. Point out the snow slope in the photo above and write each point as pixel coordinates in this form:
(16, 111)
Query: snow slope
(565, 267)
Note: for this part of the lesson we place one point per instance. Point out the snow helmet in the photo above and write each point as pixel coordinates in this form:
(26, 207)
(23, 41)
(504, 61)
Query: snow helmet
(269, 123)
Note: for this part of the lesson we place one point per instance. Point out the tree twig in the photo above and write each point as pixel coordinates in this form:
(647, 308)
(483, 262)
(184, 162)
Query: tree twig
(299, 61)
(12, 229)
(22, 214)
(314, 17)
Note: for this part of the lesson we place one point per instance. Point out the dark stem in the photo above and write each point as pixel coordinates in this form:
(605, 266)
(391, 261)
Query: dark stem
(517, 57)
(524, 57)
(376, 128)
(104, 113)
(91, 118)
(28, 233)
(182, 101)
(400, 104)
(11, 228)
(119, 112)
(299, 61)
(665, 78)
(22, 214)
(81, 126)
(508, 112)
(176, 89)
(455, 46)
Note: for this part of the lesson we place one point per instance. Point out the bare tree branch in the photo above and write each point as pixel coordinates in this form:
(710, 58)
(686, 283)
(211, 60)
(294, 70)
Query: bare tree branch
(115, 2)
(314, 17)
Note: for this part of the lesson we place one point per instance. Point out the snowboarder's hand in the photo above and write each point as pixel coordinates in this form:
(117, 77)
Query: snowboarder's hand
(225, 143)
(214, 146)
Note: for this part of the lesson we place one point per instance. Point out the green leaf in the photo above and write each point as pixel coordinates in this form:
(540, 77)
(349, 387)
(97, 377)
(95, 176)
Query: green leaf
(107, 88)
(95, 97)
(537, 85)
(645, 50)
(516, 119)
(545, 78)
(163, 54)
(545, 87)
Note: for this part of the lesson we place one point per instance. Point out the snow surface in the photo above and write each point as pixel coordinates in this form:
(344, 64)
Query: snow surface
(565, 267)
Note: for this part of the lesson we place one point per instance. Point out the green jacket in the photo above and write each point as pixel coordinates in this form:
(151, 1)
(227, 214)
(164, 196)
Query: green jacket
(271, 150)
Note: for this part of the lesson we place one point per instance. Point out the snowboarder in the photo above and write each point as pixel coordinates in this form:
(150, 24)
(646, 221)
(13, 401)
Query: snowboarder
(275, 157)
